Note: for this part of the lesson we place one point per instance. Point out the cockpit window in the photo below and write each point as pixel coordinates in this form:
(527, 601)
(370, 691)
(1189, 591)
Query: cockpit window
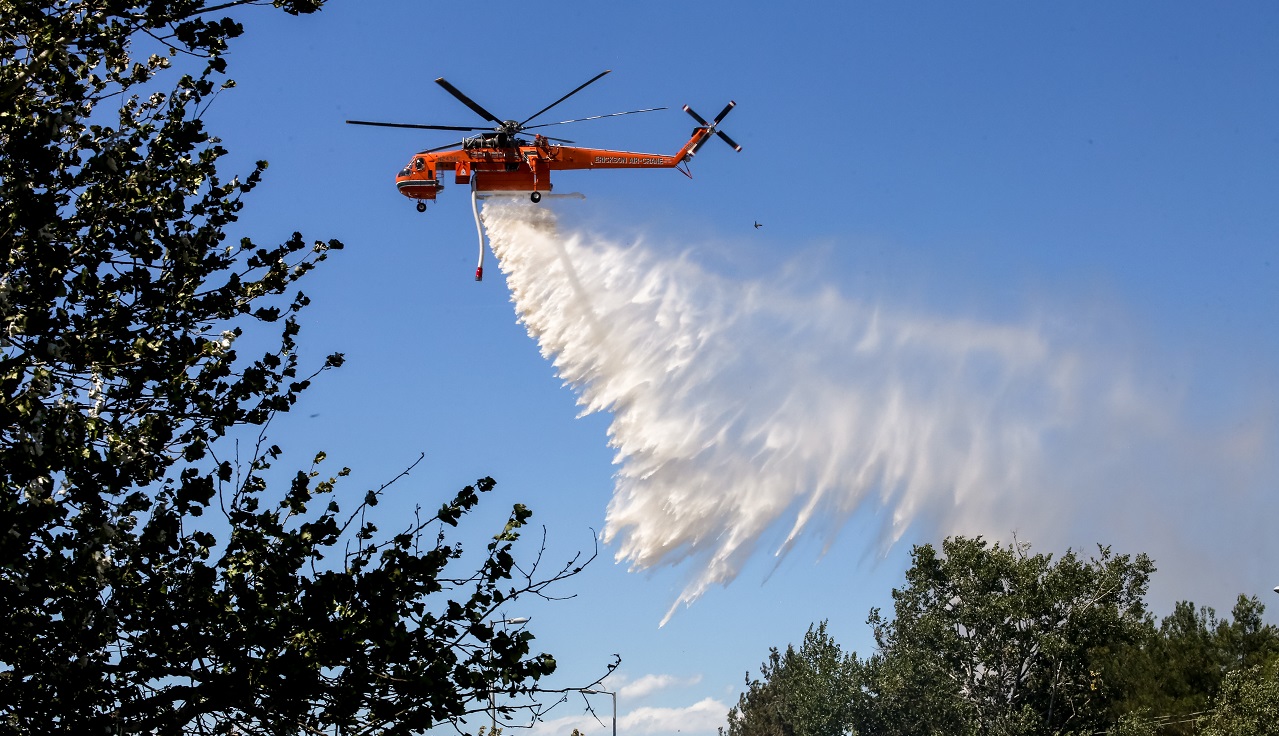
(405, 171)
(419, 164)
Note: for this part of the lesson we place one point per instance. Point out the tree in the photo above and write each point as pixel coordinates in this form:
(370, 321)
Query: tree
(1177, 669)
(1182, 666)
(993, 640)
(1248, 704)
(806, 692)
(1246, 640)
(989, 639)
(1130, 724)
(151, 583)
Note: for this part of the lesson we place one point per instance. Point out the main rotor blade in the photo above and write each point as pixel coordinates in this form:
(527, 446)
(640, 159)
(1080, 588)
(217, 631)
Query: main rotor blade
(595, 117)
(441, 148)
(696, 117)
(412, 125)
(468, 101)
(728, 140)
(565, 97)
(731, 104)
(557, 140)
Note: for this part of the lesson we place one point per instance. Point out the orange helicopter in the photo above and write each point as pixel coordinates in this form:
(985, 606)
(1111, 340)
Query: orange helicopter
(499, 163)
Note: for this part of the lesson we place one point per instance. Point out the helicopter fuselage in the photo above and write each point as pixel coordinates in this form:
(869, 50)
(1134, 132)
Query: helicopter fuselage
(520, 165)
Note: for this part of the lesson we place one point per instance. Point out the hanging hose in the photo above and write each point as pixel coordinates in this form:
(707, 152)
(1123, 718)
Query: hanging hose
(479, 229)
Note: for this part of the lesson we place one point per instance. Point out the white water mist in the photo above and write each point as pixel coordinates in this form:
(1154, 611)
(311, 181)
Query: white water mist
(761, 411)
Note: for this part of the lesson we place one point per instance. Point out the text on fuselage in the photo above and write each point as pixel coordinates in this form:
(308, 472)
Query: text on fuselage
(633, 160)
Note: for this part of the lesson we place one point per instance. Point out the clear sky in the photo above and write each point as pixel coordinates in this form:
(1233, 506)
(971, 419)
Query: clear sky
(1018, 273)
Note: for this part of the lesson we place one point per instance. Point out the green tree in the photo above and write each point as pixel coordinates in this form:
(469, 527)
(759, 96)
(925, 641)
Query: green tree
(1185, 667)
(1131, 724)
(1178, 668)
(1246, 640)
(811, 691)
(989, 639)
(1247, 705)
(150, 584)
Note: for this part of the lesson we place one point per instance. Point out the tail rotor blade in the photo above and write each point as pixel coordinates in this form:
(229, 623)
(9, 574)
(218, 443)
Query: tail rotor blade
(696, 117)
(728, 140)
(731, 104)
(468, 101)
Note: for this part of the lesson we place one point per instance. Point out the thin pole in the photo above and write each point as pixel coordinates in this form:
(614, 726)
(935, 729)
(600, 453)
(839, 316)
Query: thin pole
(612, 695)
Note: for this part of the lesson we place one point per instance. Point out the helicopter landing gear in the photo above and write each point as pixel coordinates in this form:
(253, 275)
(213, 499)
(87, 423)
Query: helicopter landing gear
(535, 197)
(421, 206)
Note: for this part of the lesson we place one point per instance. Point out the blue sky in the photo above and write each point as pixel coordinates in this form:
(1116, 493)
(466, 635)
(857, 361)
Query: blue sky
(1050, 229)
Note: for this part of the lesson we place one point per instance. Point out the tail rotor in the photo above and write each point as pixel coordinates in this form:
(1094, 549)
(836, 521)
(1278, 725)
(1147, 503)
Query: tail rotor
(712, 127)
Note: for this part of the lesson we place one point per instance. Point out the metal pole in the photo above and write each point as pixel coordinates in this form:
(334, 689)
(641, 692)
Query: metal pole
(614, 696)
(515, 621)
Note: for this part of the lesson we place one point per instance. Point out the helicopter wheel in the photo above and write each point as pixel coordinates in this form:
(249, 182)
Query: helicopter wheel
(536, 197)
(421, 206)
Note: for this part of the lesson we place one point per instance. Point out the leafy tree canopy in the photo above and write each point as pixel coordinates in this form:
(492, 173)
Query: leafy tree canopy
(993, 639)
(155, 579)
(985, 639)
(1178, 667)
(806, 692)
(1248, 704)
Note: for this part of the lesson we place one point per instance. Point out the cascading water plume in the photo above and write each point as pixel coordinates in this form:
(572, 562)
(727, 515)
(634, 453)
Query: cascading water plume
(745, 411)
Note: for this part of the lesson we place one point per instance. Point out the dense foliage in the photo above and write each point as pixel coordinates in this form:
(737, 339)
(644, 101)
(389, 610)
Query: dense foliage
(996, 640)
(1177, 670)
(1247, 705)
(989, 639)
(806, 692)
(156, 575)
